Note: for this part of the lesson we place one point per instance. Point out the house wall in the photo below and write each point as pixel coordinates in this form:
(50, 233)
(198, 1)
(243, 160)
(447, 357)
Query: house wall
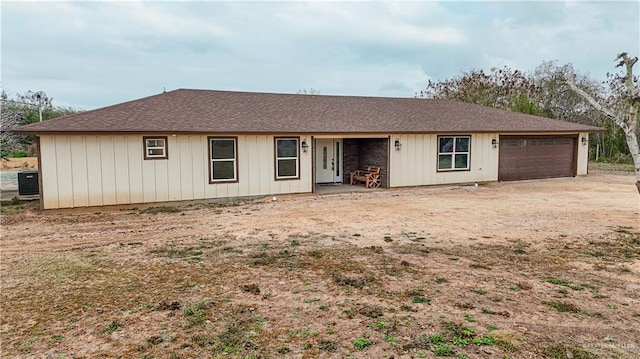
(583, 155)
(96, 170)
(350, 160)
(415, 164)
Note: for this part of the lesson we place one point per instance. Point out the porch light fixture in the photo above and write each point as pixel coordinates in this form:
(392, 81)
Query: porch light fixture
(584, 141)
(305, 146)
(494, 142)
(398, 145)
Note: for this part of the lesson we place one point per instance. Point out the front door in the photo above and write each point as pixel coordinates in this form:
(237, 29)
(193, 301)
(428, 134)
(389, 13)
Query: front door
(328, 160)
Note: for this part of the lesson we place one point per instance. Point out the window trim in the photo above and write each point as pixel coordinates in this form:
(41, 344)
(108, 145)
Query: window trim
(235, 159)
(155, 157)
(453, 154)
(276, 158)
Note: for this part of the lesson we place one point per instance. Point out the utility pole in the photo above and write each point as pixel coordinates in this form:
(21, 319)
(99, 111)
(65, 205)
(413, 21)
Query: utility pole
(40, 95)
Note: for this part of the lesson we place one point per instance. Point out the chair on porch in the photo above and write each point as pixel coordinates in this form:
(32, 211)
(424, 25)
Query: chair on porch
(370, 177)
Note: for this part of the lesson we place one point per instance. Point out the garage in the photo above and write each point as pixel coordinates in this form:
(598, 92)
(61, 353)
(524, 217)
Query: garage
(532, 157)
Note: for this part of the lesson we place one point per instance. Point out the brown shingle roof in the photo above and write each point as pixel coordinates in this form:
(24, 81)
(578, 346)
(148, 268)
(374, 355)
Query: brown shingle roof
(207, 111)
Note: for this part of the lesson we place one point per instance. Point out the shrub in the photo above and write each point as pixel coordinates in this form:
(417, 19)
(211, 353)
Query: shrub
(18, 154)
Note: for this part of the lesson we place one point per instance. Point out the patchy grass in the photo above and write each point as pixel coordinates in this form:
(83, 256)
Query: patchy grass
(195, 312)
(562, 351)
(161, 209)
(563, 306)
(114, 326)
(611, 166)
(361, 343)
(566, 283)
(352, 281)
(17, 206)
(211, 295)
(422, 300)
(180, 253)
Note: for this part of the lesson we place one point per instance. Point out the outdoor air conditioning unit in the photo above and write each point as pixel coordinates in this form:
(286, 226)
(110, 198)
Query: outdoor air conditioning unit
(28, 183)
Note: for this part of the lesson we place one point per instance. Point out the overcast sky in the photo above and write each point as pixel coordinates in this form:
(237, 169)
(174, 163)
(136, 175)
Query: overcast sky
(93, 54)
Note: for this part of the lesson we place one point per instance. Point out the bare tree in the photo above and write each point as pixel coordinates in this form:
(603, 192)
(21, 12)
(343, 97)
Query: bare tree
(23, 109)
(8, 140)
(310, 91)
(621, 106)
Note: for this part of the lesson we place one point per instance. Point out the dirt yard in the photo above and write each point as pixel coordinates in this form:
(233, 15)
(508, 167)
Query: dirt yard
(531, 269)
(16, 164)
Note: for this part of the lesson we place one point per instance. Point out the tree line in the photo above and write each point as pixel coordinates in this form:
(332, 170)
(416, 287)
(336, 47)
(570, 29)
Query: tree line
(23, 109)
(547, 92)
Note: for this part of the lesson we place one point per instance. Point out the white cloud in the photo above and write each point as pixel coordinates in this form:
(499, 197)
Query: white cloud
(98, 53)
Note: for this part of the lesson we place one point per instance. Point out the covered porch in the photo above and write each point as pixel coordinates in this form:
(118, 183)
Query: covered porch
(336, 158)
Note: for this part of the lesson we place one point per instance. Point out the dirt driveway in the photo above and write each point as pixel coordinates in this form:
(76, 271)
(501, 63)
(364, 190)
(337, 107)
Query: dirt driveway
(522, 269)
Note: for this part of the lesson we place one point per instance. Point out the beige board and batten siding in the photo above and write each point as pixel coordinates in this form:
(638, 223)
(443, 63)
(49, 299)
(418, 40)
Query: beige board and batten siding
(416, 163)
(583, 155)
(98, 170)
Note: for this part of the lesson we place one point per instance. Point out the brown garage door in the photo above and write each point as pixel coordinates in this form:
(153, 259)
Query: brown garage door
(536, 157)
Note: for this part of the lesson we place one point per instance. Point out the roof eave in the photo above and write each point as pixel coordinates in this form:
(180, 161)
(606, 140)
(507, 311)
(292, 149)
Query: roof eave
(394, 132)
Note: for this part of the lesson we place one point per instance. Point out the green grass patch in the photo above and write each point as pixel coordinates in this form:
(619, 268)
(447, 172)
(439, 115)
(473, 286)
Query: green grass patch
(361, 343)
(31, 341)
(562, 351)
(486, 340)
(195, 312)
(444, 350)
(357, 282)
(461, 342)
(381, 324)
(114, 326)
(437, 339)
(563, 307)
(567, 283)
(419, 299)
(390, 339)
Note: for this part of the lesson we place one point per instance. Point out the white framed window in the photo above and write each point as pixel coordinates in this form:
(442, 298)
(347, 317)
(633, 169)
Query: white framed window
(287, 158)
(155, 148)
(223, 159)
(453, 153)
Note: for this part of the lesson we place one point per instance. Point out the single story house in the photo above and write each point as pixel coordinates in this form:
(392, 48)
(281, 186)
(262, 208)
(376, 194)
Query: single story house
(201, 144)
